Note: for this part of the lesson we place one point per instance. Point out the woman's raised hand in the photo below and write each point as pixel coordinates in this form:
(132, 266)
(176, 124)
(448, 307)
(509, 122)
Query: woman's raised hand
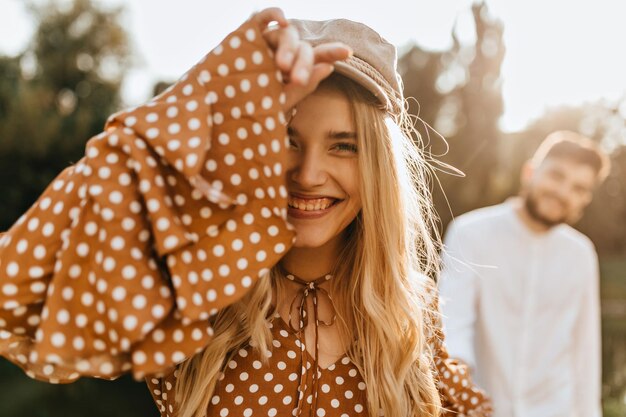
(302, 66)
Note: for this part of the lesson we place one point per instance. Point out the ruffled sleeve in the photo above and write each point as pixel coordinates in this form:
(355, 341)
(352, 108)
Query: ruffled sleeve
(460, 397)
(174, 212)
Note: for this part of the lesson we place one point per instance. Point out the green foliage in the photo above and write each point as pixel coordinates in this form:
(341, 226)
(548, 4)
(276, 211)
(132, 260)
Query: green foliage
(22, 397)
(613, 271)
(614, 407)
(55, 96)
(613, 290)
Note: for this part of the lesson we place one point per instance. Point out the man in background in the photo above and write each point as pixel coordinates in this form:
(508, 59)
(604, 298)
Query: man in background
(520, 288)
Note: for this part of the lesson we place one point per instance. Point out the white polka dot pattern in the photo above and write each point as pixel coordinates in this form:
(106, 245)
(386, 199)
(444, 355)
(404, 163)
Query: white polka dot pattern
(250, 387)
(122, 260)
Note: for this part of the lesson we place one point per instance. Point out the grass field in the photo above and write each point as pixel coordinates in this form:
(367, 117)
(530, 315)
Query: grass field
(613, 294)
(613, 283)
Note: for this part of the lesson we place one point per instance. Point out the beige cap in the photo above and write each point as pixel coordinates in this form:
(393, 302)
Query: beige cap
(373, 64)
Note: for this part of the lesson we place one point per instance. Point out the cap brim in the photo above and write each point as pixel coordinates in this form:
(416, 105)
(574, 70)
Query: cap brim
(357, 76)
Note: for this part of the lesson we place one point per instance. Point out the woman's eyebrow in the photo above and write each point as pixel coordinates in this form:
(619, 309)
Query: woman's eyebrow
(332, 134)
(346, 134)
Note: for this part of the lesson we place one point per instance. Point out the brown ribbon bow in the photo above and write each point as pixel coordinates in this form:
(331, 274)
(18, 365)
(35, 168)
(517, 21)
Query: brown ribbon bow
(308, 289)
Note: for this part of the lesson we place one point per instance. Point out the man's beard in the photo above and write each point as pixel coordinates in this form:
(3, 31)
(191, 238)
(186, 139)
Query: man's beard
(532, 207)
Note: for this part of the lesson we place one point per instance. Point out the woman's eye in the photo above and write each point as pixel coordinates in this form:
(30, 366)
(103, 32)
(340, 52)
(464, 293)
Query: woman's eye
(292, 144)
(346, 147)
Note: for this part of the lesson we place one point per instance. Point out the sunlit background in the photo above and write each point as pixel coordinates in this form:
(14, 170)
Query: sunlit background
(558, 51)
(493, 77)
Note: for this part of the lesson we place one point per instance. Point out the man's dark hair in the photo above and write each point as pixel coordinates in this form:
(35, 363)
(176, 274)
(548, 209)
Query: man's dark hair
(564, 144)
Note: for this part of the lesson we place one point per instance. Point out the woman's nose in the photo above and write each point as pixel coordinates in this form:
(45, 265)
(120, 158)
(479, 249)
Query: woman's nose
(308, 169)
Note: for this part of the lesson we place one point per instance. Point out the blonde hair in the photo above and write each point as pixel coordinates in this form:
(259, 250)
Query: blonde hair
(379, 298)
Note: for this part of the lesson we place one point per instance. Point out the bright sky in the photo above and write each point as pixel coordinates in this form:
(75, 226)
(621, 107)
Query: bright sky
(558, 51)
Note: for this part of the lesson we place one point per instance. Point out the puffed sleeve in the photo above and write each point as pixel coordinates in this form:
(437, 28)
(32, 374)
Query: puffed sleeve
(175, 211)
(460, 397)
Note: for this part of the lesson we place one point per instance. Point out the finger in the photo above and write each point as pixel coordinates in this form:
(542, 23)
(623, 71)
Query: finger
(302, 67)
(320, 71)
(331, 52)
(294, 92)
(271, 36)
(271, 14)
(287, 48)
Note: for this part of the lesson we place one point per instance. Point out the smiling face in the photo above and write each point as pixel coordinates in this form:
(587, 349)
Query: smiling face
(558, 190)
(322, 172)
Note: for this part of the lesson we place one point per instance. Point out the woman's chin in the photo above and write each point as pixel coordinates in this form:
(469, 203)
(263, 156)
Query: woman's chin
(308, 243)
(308, 239)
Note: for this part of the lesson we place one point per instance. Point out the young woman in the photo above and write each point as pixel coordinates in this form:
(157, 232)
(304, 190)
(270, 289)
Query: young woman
(245, 262)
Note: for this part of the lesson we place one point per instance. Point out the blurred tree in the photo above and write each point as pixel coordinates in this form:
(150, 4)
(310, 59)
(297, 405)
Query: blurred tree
(459, 94)
(56, 95)
(478, 135)
(420, 69)
(53, 98)
(605, 218)
(160, 86)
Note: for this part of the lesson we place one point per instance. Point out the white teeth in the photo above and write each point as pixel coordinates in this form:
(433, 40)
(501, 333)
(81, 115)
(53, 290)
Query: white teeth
(311, 204)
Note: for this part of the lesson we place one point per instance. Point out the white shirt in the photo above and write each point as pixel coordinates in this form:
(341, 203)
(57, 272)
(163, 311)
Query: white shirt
(522, 309)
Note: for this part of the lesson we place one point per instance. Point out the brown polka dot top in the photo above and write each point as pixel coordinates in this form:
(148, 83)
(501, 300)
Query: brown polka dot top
(250, 387)
(289, 383)
(174, 212)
